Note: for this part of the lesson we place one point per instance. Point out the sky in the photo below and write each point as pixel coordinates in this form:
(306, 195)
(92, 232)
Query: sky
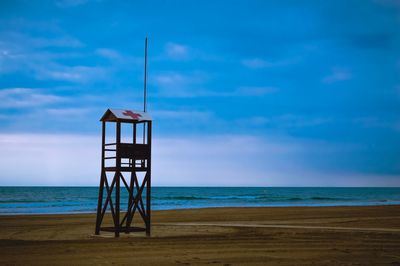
(243, 93)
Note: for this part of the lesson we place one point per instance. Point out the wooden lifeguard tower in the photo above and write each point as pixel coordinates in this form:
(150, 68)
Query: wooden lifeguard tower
(126, 155)
(119, 159)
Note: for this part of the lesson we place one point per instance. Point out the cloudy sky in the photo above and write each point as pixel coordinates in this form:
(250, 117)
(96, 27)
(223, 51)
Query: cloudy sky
(243, 93)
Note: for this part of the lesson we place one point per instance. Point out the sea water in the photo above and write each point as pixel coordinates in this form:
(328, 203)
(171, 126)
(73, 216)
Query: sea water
(40, 200)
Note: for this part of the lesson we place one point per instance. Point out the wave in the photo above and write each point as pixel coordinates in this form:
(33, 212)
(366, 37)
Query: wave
(295, 199)
(182, 198)
(329, 198)
(252, 198)
(207, 198)
(23, 201)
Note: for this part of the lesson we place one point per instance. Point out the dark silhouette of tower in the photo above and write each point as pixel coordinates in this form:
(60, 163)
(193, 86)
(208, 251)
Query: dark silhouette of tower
(121, 158)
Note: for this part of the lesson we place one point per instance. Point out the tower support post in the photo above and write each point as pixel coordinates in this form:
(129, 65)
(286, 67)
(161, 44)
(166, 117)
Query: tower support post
(118, 179)
(102, 176)
(148, 187)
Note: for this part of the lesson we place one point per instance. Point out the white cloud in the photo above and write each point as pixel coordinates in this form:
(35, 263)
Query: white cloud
(171, 79)
(78, 74)
(226, 160)
(241, 92)
(65, 41)
(338, 74)
(32, 62)
(73, 111)
(181, 52)
(176, 51)
(21, 53)
(176, 84)
(284, 121)
(176, 79)
(109, 53)
(26, 97)
(261, 63)
(75, 160)
(189, 85)
(182, 115)
(25, 54)
(17, 41)
(49, 159)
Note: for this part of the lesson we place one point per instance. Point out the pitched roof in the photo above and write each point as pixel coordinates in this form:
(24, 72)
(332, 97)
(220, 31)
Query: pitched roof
(125, 115)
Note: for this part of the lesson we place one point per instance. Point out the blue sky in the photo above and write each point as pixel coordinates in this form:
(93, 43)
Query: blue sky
(260, 93)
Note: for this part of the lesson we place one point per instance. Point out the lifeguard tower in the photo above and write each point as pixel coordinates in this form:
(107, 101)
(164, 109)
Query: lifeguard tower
(122, 158)
(128, 154)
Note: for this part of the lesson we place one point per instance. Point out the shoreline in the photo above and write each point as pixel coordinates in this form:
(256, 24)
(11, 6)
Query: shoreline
(214, 207)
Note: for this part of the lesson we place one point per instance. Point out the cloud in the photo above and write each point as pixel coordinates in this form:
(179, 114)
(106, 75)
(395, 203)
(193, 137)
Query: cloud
(182, 115)
(24, 24)
(285, 121)
(338, 74)
(66, 41)
(70, 112)
(239, 92)
(256, 63)
(76, 74)
(174, 79)
(180, 52)
(221, 160)
(193, 84)
(109, 53)
(21, 53)
(24, 54)
(30, 62)
(176, 51)
(22, 42)
(26, 97)
(50, 159)
(177, 84)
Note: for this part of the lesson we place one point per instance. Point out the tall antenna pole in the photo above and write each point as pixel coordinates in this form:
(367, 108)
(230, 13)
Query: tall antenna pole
(145, 76)
(145, 89)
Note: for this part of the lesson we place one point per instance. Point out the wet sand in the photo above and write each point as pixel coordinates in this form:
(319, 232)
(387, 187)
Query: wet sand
(214, 236)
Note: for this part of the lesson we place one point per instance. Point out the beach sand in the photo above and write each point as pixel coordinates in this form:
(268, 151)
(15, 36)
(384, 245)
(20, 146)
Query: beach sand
(214, 236)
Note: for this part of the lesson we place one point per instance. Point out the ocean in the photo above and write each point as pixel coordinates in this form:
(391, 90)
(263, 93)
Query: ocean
(46, 200)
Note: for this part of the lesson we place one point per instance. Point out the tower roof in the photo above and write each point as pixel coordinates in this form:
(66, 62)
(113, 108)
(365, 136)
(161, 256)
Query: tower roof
(125, 115)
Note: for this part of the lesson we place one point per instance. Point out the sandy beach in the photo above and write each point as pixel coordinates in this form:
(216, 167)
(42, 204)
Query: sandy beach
(214, 236)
